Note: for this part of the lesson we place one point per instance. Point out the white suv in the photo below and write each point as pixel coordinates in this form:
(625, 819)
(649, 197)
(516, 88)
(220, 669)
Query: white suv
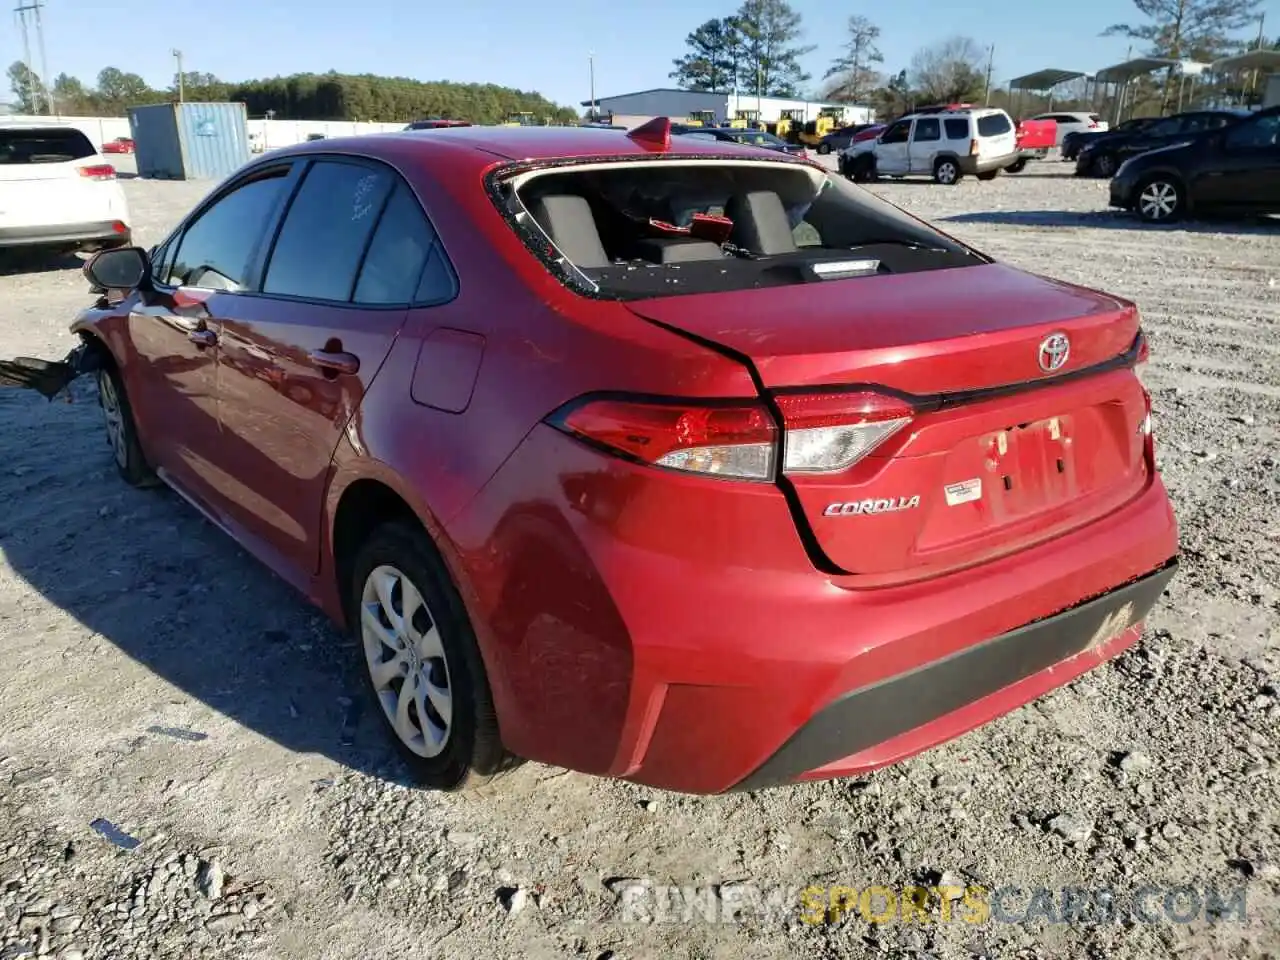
(1075, 123)
(57, 191)
(947, 145)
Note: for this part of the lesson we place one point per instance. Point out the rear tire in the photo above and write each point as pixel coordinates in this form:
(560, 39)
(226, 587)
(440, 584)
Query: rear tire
(444, 724)
(1017, 166)
(947, 172)
(1104, 165)
(122, 430)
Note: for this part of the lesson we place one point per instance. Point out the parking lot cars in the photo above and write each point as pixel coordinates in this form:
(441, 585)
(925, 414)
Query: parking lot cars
(750, 138)
(1235, 170)
(947, 145)
(573, 510)
(1076, 141)
(1069, 122)
(1103, 156)
(838, 140)
(57, 191)
(118, 145)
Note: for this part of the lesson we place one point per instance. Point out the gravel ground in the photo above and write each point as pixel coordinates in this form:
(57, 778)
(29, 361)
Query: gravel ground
(185, 770)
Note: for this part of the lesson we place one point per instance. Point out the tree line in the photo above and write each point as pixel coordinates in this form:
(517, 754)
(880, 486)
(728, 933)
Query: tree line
(758, 49)
(329, 96)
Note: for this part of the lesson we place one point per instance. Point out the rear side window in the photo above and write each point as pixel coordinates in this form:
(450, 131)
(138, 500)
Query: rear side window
(326, 231)
(392, 273)
(957, 128)
(927, 130)
(215, 250)
(57, 145)
(994, 125)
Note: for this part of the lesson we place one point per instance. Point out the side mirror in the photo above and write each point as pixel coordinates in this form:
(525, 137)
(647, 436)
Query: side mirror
(124, 268)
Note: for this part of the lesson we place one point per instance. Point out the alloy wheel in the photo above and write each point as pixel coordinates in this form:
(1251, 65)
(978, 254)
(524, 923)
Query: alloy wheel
(947, 172)
(113, 417)
(1158, 200)
(406, 661)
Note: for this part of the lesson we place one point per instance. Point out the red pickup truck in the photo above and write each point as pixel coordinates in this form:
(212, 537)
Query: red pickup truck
(1034, 138)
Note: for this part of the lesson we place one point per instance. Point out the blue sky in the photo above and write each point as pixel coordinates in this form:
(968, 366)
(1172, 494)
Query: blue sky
(535, 47)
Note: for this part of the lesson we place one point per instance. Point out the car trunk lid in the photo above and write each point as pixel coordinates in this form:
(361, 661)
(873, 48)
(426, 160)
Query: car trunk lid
(998, 452)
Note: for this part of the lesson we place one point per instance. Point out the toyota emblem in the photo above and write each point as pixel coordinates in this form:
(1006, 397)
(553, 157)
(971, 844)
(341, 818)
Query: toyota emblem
(1054, 350)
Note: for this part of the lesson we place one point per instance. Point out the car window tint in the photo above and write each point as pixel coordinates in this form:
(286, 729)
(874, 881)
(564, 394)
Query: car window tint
(993, 125)
(216, 248)
(57, 145)
(400, 248)
(957, 128)
(927, 130)
(326, 231)
(1216, 121)
(1166, 128)
(437, 282)
(1258, 134)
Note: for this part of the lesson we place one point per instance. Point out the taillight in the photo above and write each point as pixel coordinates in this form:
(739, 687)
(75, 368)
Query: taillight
(735, 439)
(973, 148)
(99, 171)
(827, 432)
(823, 432)
(1141, 356)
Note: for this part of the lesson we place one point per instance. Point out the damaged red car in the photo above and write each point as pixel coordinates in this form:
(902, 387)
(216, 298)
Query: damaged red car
(653, 458)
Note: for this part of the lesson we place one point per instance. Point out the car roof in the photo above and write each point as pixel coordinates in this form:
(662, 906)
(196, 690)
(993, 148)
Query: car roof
(485, 144)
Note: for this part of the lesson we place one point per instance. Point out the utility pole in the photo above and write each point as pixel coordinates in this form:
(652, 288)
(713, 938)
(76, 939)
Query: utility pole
(177, 56)
(991, 62)
(591, 66)
(38, 91)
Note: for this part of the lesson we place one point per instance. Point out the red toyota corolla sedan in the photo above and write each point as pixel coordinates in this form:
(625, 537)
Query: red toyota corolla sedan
(653, 458)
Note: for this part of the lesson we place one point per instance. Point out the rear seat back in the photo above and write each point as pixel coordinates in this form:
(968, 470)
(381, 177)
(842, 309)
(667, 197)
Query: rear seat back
(760, 223)
(567, 219)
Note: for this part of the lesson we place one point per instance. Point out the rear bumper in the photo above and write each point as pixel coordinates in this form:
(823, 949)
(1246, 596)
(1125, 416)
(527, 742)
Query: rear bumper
(95, 233)
(972, 166)
(673, 632)
(845, 731)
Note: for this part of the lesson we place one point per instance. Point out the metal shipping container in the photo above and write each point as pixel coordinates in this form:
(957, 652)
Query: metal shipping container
(190, 141)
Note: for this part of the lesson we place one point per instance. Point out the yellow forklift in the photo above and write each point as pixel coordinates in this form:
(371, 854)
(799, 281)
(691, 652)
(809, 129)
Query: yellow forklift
(818, 128)
(702, 118)
(524, 118)
(787, 126)
(745, 120)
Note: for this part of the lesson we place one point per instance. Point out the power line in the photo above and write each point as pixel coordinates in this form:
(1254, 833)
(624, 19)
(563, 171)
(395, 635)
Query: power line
(36, 81)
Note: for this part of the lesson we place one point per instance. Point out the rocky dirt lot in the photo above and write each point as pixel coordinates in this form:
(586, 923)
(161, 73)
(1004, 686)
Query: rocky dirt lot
(186, 770)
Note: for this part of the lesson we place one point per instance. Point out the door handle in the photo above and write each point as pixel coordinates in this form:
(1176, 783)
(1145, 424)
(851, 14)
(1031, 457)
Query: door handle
(203, 338)
(336, 361)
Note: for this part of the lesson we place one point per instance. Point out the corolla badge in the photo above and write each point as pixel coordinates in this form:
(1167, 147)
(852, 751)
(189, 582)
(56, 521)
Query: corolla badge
(1053, 353)
(858, 508)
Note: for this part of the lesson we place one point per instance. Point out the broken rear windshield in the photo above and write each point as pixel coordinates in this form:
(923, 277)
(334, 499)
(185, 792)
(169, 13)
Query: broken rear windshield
(627, 230)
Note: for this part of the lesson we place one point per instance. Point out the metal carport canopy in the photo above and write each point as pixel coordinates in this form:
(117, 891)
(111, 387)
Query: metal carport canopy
(1044, 79)
(1124, 72)
(1253, 60)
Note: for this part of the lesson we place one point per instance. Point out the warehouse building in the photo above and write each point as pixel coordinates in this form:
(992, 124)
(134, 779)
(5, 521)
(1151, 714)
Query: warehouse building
(720, 108)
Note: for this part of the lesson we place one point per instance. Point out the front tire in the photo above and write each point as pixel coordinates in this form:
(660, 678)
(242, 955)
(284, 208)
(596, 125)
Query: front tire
(122, 430)
(988, 174)
(422, 663)
(1160, 200)
(947, 172)
(824, 149)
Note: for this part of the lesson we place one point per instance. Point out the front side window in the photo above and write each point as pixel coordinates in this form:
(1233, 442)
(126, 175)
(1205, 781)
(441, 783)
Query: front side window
(1168, 127)
(897, 133)
(326, 230)
(216, 249)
